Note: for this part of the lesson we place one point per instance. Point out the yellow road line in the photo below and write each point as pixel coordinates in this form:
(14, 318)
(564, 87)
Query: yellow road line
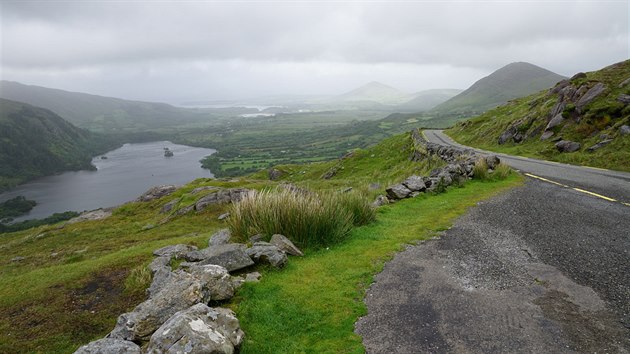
(595, 195)
(546, 180)
(576, 189)
(595, 168)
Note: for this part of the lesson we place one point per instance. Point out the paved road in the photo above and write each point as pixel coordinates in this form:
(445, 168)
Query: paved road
(540, 269)
(613, 184)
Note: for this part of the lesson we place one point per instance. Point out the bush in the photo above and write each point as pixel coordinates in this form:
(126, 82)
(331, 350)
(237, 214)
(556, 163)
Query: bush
(308, 219)
(480, 171)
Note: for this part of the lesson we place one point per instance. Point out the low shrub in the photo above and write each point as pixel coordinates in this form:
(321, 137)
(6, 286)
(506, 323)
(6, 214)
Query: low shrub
(308, 219)
(481, 172)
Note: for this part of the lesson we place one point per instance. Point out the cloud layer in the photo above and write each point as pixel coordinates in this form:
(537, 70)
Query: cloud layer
(202, 50)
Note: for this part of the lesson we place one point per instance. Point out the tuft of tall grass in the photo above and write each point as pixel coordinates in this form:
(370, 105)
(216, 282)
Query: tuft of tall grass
(500, 172)
(308, 219)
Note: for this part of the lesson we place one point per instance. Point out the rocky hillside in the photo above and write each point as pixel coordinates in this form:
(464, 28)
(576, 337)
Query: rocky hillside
(36, 142)
(583, 120)
(511, 81)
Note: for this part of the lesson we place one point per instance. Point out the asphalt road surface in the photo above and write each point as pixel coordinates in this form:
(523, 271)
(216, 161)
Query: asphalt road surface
(543, 268)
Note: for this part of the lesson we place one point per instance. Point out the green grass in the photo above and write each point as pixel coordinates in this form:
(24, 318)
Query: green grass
(312, 304)
(307, 219)
(76, 279)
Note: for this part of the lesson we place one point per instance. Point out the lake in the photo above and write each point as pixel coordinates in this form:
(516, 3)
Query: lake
(126, 173)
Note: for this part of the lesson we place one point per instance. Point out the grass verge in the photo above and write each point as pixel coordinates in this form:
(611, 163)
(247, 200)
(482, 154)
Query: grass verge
(312, 304)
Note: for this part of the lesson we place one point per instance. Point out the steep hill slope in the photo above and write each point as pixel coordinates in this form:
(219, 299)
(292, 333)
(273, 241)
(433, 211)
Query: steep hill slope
(98, 113)
(375, 92)
(511, 81)
(589, 109)
(425, 100)
(36, 142)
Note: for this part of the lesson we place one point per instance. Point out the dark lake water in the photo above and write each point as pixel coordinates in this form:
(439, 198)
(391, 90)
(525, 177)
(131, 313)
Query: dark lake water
(123, 176)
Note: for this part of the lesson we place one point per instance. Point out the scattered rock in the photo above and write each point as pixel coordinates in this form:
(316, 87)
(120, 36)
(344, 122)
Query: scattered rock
(546, 135)
(176, 251)
(599, 145)
(555, 121)
(397, 191)
(148, 227)
(198, 329)
(264, 252)
(224, 216)
(492, 161)
(221, 237)
(17, 259)
(231, 256)
(168, 207)
(157, 192)
(624, 82)
(98, 214)
(252, 277)
(275, 174)
(222, 196)
(330, 173)
(578, 76)
(284, 244)
(346, 190)
(568, 146)
(558, 108)
(624, 130)
(414, 183)
(380, 200)
(589, 96)
(605, 137)
(109, 346)
(625, 99)
(505, 136)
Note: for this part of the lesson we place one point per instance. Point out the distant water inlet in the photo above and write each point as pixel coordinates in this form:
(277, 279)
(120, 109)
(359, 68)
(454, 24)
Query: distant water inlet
(122, 175)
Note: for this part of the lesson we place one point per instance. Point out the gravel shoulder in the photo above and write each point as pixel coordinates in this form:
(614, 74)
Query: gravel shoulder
(538, 269)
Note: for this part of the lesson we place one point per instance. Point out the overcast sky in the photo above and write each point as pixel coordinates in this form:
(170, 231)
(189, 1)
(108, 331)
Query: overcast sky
(179, 51)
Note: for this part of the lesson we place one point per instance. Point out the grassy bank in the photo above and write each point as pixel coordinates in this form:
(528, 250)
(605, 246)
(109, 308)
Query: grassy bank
(312, 305)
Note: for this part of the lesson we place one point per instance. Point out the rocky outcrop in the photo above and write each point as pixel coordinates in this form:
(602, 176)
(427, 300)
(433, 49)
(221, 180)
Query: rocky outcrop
(555, 121)
(285, 245)
(397, 191)
(275, 174)
(198, 329)
(568, 146)
(222, 196)
(98, 214)
(157, 192)
(267, 253)
(599, 145)
(168, 207)
(589, 96)
(177, 251)
(109, 346)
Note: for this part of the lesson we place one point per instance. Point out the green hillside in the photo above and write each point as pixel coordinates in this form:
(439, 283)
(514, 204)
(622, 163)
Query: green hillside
(36, 142)
(511, 81)
(101, 114)
(62, 286)
(588, 109)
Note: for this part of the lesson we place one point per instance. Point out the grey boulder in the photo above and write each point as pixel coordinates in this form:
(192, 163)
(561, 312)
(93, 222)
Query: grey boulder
(492, 161)
(265, 252)
(590, 95)
(231, 256)
(624, 130)
(415, 183)
(216, 282)
(157, 192)
(567, 146)
(398, 191)
(599, 145)
(555, 121)
(229, 195)
(221, 237)
(109, 346)
(198, 329)
(168, 207)
(284, 244)
(546, 135)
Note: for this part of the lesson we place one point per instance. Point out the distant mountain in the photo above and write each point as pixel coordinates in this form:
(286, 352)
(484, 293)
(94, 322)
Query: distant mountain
(511, 81)
(425, 100)
(375, 92)
(99, 113)
(37, 142)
